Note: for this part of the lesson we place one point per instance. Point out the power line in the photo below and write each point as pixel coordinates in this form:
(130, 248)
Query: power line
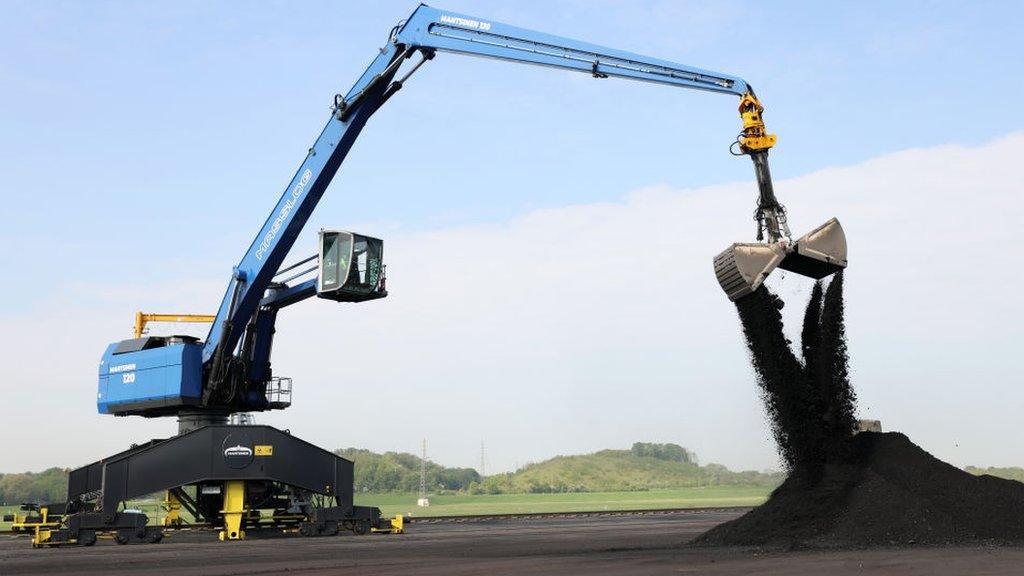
(483, 471)
(423, 471)
(423, 477)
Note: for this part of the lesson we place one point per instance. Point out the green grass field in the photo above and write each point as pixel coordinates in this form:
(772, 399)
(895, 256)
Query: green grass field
(464, 504)
(458, 504)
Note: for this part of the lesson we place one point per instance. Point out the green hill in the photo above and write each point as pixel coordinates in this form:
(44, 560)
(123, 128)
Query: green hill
(1011, 473)
(643, 467)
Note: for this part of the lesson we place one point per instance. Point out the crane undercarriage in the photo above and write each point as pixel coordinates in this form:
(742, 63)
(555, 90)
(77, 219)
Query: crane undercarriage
(234, 478)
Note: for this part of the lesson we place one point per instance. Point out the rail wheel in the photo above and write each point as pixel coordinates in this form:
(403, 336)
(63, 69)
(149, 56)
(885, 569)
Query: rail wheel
(361, 527)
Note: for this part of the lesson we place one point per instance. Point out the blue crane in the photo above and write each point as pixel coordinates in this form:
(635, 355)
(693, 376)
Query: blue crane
(228, 372)
(202, 382)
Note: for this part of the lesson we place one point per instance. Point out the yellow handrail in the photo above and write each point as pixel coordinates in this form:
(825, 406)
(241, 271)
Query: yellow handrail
(141, 319)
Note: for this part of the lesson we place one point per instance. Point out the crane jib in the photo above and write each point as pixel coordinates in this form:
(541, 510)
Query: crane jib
(435, 29)
(596, 61)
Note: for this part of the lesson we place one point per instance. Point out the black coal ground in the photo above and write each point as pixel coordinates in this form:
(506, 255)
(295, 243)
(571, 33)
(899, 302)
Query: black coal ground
(843, 490)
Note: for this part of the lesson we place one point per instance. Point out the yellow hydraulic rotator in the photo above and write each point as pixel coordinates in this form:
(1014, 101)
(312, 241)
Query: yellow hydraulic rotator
(755, 136)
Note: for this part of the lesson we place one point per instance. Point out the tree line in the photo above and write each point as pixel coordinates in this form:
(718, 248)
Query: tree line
(645, 466)
(400, 472)
(48, 486)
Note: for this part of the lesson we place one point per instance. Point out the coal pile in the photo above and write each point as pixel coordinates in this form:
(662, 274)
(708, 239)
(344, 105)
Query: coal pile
(885, 491)
(847, 490)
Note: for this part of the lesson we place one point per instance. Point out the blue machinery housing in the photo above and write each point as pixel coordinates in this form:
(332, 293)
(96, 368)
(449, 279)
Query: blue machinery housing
(147, 373)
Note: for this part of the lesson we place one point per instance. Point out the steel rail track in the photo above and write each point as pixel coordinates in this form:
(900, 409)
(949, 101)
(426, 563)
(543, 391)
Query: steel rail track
(570, 515)
(469, 518)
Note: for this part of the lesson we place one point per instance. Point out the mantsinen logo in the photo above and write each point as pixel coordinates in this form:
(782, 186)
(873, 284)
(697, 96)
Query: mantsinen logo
(122, 368)
(238, 450)
(465, 22)
(285, 211)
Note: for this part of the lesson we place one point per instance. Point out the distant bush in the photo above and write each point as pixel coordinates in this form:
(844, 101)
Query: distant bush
(671, 452)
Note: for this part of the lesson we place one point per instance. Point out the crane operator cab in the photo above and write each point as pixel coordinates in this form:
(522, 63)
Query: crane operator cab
(351, 267)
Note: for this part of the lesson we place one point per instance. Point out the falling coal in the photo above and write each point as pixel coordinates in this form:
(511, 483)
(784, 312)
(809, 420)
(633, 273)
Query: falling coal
(810, 401)
(844, 489)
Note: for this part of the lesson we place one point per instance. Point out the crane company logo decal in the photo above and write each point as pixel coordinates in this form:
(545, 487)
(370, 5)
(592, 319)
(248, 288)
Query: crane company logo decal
(237, 449)
(465, 22)
(122, 368)
(285, 211)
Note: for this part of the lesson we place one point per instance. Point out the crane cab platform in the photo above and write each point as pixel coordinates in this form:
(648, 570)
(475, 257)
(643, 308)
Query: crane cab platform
(351, 267)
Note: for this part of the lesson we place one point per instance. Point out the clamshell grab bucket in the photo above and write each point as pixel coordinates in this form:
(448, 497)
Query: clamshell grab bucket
(819, 253)
(741, 268)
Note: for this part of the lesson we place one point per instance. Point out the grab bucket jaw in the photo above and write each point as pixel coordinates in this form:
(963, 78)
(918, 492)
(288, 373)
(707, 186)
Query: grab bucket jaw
(742, 268)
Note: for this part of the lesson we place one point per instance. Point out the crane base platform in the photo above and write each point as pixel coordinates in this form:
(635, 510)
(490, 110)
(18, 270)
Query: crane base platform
(228, 476)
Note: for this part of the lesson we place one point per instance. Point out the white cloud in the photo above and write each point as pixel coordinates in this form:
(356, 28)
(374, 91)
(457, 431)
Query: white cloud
(584, 327)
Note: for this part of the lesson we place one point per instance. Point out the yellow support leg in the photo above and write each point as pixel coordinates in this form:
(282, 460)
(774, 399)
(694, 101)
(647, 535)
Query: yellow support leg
(40, 537)
(172, 506)
(234, 510)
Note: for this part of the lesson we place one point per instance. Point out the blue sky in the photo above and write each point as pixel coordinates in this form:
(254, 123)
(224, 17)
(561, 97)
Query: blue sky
(189, 118)
(144, 143)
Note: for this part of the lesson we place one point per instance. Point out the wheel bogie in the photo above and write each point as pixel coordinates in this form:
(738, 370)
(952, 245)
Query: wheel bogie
(361, 527)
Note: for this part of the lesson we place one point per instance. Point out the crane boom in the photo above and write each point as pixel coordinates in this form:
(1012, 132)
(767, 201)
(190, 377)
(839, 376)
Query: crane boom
(251, 277)
(425, 31)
